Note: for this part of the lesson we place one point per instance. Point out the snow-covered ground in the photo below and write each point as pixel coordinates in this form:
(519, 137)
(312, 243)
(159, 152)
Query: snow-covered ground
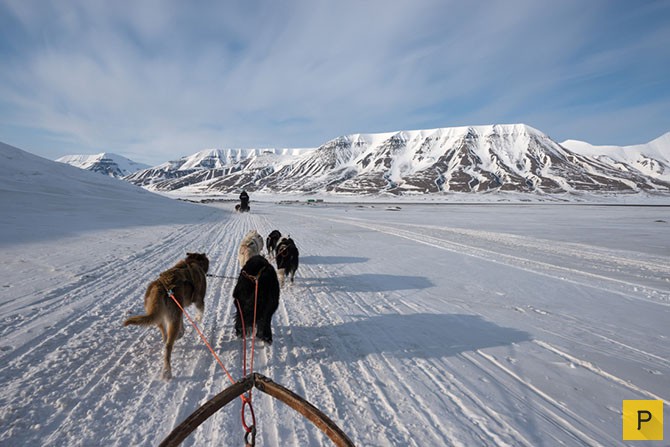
(409, 325)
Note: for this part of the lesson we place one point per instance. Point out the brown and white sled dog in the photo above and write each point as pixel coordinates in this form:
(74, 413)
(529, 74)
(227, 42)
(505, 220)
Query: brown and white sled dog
(188, 282)
(251, 245)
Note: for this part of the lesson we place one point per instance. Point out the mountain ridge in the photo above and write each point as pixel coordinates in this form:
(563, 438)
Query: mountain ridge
(106, 163)
(484, 158)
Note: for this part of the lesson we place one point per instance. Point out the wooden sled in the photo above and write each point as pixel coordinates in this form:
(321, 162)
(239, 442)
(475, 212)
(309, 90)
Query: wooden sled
(318, 418)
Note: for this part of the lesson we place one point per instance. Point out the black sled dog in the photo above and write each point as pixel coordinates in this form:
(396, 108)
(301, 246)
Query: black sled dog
(271, 242)
(256, 269)
(287, 259)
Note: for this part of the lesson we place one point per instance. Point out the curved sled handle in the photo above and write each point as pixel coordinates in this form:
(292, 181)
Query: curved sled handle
(316, 416)
(266, 385)
(180, 432)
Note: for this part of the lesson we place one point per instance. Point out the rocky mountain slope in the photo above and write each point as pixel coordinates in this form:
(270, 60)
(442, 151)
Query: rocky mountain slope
(461, 159)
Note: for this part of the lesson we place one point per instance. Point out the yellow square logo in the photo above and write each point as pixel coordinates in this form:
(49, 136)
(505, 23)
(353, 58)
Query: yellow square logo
(642, 420)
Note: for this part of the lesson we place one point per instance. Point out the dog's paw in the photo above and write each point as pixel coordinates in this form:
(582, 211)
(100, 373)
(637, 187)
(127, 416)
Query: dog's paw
(167, 374)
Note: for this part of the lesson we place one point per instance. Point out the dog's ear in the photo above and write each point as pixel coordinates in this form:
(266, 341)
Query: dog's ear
(189, 254)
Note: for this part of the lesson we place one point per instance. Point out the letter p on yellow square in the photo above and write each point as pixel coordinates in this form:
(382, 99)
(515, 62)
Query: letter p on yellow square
(642, 420)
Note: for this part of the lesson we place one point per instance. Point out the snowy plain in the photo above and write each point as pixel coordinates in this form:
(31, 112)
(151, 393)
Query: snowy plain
(412, 324)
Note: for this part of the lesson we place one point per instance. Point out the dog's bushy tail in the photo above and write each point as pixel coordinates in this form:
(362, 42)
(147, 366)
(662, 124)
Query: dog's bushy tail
(141, 320)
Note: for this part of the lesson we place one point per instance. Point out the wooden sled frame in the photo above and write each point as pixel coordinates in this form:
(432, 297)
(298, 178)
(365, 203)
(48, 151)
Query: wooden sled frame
(266, 385)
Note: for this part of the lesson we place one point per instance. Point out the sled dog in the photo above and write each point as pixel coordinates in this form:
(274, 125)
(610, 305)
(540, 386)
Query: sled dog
(271, 242)
(188, 283)
(256, 269)
(251, 245)
(287, 259)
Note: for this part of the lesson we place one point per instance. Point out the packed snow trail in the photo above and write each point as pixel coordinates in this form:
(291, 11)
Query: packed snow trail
(425, 326)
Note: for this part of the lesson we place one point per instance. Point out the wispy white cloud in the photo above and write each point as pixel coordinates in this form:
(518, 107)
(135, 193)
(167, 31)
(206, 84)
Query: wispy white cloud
(159, 79)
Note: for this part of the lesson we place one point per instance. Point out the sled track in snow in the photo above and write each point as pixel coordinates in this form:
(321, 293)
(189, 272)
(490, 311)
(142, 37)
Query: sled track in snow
(600, 372)
(84, 307)
(90, 311)
(553, 410)
(362, 351)
(605, 263)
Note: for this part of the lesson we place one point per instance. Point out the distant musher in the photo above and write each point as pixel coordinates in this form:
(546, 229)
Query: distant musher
(244, 202)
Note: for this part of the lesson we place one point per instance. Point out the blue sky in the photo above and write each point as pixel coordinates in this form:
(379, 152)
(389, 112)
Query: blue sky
(156, 80)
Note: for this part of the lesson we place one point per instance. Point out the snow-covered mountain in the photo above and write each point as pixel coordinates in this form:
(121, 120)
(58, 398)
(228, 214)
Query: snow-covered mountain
(652, 159)
(513, 157)
(106, 163)
(212, 164)
(465, 159)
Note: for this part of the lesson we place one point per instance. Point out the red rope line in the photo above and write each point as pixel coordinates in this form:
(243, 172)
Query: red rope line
(244, 339)
(251, 366)
(246, 399)
(253, 330)
(171, 294)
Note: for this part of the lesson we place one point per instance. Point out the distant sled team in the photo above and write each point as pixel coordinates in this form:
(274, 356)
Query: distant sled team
(243, 206)
(256, 291)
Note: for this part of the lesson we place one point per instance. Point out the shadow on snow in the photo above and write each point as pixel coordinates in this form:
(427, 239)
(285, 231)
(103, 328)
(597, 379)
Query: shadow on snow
(367, 282)
(420, 335)
(311, 260)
